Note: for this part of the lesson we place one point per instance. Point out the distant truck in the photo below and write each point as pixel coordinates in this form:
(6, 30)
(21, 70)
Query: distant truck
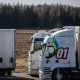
(60, 56)
(7, 51)
(35, 49)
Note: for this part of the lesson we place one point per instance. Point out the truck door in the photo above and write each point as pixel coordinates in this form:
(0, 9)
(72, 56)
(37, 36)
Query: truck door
(62, 54)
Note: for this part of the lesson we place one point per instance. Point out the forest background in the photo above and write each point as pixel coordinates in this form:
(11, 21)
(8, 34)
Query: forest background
(38, 16)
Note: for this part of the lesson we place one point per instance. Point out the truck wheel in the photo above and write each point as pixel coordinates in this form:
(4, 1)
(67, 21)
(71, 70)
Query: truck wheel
(1, 73)
(62, 75)
(9, 73)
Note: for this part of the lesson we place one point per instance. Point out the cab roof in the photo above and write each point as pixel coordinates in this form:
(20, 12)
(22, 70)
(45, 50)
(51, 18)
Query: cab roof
(64, 32)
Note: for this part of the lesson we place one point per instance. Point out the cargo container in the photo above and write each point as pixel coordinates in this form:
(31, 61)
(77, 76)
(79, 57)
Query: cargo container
(7, 51)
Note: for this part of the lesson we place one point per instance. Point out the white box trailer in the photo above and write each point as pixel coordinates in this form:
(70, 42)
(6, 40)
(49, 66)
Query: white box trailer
(7, 51)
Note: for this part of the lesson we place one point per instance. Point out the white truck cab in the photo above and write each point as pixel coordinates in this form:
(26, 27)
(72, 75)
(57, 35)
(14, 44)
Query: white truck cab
(36, 49)
(60, 57)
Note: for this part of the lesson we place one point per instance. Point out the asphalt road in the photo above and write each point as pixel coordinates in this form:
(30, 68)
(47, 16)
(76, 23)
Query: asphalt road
(20, 76)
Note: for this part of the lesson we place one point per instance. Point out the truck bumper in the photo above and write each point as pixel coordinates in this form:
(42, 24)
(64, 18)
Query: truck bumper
(44, 76)
(33, 71)
(41, 75)
(33, 68)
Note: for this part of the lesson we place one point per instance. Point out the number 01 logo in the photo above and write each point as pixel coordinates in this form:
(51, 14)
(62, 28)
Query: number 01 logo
(62, 53)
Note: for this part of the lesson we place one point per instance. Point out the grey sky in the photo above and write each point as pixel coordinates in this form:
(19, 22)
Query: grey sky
(66, 2)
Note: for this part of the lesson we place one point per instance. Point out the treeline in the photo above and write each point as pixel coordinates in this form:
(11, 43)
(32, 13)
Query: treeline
(38, 17)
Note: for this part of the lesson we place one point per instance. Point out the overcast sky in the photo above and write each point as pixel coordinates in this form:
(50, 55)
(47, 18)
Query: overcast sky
(75, 3)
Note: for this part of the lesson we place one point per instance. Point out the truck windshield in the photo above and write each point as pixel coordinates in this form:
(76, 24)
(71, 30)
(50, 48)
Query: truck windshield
(43, 49)
(38, 39)
(37, 46)
(51, 51)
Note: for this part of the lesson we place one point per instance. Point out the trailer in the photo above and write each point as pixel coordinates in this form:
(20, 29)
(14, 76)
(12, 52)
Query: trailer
(7, 51)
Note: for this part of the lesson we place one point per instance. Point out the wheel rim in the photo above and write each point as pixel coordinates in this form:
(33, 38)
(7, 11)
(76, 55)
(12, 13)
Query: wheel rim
(60, 76)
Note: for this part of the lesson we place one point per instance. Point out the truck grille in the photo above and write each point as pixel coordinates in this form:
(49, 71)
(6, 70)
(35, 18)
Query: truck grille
(47, 68)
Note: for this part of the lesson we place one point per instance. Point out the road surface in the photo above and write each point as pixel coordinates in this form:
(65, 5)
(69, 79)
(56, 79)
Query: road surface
(20, 76)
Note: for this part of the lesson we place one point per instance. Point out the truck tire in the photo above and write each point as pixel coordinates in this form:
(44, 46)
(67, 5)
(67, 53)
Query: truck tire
(62, 75)
(1, 73)
(9, 73)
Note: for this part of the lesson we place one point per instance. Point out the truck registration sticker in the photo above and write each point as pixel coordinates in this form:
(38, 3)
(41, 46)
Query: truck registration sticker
(62, 53)
(33, 63)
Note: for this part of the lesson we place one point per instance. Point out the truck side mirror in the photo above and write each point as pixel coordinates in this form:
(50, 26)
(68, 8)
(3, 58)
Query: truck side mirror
(47, 54)
(34, 42)
(44, 44)
(31, 38)
(32, 49)
(32, 52)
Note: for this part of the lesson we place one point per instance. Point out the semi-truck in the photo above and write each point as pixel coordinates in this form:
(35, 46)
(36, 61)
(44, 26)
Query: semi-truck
(35, 50)
(7, 51)
(60, 56)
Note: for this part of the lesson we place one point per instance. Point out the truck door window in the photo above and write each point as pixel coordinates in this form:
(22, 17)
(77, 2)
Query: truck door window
(51, 51)
(31, 42)
(37, 46)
